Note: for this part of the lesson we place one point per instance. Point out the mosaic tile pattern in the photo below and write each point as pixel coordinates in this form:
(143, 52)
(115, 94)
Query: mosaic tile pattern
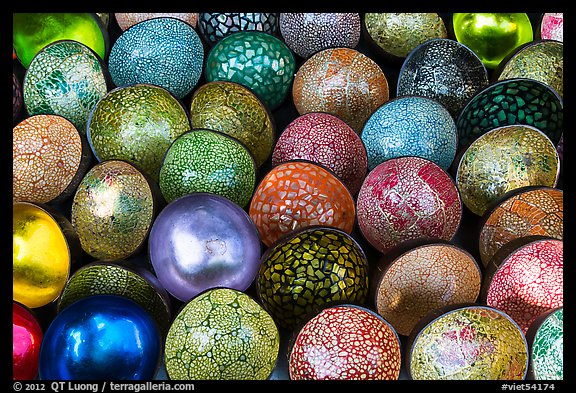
(327, 140)
(423, 279)
(343, 82)
(546, 355)
(46, 156)
(297, 195)
(112, 210)
(208, 161)
(254, 59)
(509, 102)
(65, 78)
(502, 160)
(443, 70)
(469, 343)
(308, 33)
(410, 126)
(308, 269)
(536, 211)
(345, 343)
(234, 110)
(213, 26)
(398, 33)
(528, 282)
(407, 198)
(136, 123)
(129, 19)
(165, 52)
(221, 334)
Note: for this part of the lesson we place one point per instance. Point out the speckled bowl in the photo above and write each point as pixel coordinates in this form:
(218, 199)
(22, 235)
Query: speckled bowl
(525, 278)
(420, 276)
(213, 26)
(546, 341)
(551, 26)
(504, 159)
(467, 342)
(526, 211)
(129, 19)
(444, 70)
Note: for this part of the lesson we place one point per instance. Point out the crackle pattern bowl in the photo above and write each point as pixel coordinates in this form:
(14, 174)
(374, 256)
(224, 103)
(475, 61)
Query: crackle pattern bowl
(213, 26)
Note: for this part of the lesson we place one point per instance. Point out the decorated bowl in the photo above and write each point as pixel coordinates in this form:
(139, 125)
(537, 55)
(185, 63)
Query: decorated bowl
(17, 99)
(101, 337)
(121, 278)
(525, 278)
(235, 110)
(522, 212)
(420, 276)
(208, 161)
(33, 31)
(213, 26)
(546, 341)
(516, 101)
(306, 33)
(327, 140)
(343, 82)
(551, 26)
(396, 34)
(467, 342)
(221, 334)
(300, 194)
(49, 159)
(201, 241)
(492, 36)
(45, 249)
(310, 268)
(257, 60)
(504, 159)
(541, 60)
(126, 20)
(26, 341)
(113, 210)
(65, 78)
(410, 126)
(136, 123)
(345, 342)
(165, 52)
(407, 198)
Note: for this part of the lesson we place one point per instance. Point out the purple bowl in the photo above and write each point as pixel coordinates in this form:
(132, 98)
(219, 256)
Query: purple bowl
(201, 241)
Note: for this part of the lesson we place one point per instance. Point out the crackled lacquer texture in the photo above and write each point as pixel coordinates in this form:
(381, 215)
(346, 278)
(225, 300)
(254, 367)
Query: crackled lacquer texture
(17, 98)
(443, 70)
(469, 343)
(257, 60)
(113, 210)
(542, 61)
(308, 269)
(136, 123)
(528, 282)
(327, 140)
(345, 343)
(343, 82)
(113, 278)
(410, 126)
(502, 160)
(40, 257)
(46, 155)
(236, 111)
(65, 78)
(423, 279)
(213, 26)
(537, 211)
(552, 26)
(222, 334)
(398, 33)
(547, 352)
(297, 195)
(306, 33)
(129, 19)
(509, 102)
(166, 52)
(407, 198)
(208, 161)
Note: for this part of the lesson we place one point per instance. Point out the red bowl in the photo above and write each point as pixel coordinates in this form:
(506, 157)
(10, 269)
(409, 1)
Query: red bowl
(26, 342)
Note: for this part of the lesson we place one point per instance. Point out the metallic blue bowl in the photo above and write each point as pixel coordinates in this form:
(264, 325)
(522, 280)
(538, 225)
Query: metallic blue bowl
(101, 337)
